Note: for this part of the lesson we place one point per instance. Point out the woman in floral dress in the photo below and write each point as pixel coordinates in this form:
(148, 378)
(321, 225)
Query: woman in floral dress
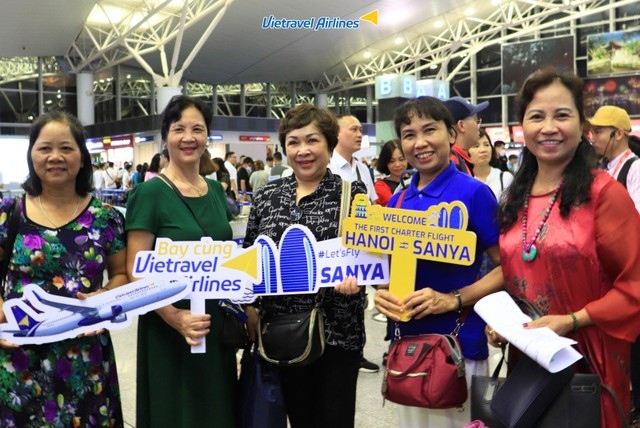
(66, 240)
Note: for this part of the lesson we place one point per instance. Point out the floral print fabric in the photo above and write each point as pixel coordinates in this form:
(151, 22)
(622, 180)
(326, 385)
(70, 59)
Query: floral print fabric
(70, 383)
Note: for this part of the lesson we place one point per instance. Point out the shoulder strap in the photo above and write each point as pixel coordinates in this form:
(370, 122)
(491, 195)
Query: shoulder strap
(12, 231)
(501, 182)
(184, 201)
(345, 203)
(400, 198)
(624, 171)
(461, 164)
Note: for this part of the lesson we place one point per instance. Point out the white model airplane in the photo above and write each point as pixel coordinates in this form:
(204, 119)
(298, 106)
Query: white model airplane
(63, 317)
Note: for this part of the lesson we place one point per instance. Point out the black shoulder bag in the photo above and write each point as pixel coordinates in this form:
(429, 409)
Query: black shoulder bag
(13, 219)
(531, 396)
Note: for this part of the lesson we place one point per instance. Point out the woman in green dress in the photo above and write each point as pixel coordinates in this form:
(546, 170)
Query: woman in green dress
(177, 388)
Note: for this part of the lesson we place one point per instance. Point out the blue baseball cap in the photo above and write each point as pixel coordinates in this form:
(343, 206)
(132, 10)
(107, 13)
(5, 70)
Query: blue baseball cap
(460, 108)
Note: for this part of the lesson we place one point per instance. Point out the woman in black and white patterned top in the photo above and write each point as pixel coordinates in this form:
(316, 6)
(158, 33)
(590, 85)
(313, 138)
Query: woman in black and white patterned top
(323, 393)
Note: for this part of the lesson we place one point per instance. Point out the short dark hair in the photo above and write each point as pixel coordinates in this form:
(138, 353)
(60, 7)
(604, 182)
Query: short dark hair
(423, 107)
(493, 161)
(84, 180)
(386, 153)
(173, 112)
(304, 114)
(277, 156)
(228, 155)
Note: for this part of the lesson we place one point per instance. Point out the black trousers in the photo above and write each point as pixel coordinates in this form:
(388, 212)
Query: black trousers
(635, 375)
(323, 394)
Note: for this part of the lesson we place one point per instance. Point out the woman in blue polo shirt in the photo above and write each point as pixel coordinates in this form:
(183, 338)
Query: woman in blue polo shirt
(442, 290)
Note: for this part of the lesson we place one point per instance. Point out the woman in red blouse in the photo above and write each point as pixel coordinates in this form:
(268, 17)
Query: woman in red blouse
(569, 240)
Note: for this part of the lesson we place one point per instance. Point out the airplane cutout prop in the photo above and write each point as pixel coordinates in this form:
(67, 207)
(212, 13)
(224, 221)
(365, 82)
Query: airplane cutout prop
(438, 234)
(39, 317)
(198, 270)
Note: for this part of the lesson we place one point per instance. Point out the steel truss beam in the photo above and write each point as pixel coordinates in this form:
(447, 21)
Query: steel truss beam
(463, 36)
(147, 28)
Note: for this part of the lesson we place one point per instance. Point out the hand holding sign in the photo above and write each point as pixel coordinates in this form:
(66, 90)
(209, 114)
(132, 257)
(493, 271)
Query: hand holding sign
(438, 234)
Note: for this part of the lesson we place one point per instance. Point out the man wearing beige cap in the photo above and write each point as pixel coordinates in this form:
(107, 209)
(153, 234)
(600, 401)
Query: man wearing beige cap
(610, 128)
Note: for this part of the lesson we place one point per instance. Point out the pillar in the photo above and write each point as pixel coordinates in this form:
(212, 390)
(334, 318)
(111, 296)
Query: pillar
(84, 94)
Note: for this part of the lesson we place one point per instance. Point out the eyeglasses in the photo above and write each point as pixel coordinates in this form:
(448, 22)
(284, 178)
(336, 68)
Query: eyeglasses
(296, 213)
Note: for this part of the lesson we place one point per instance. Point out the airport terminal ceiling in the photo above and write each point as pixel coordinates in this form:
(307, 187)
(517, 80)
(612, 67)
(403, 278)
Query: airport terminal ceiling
(223, 42)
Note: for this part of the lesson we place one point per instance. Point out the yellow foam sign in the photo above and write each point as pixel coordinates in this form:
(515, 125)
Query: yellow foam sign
(438, 234)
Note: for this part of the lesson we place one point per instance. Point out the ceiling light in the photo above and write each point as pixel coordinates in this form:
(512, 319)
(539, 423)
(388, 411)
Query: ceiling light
(398, 40)
(496, 2)
(367, 54)
(469, 11)
(433, 66)
(438, 24)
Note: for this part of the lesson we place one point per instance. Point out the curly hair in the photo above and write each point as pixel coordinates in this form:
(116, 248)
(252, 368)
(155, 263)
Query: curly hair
(304, 114)
(577, 175)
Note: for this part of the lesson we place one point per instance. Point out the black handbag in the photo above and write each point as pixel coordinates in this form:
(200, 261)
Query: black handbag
(529, 399)
(483, 389)
(260, 403)
(527, 393)
(234, 325)
(531, 396)
(292, 340)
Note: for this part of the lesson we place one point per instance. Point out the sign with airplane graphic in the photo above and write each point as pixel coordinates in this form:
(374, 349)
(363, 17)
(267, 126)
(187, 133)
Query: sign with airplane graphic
(39, 317)
(197, 270)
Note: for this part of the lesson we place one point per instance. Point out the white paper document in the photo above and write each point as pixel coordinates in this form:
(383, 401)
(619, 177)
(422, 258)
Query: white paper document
(551, 351)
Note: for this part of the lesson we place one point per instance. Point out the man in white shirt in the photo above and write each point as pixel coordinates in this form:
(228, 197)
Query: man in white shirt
(343, 162)
(349, 168)
(98, 176)
(610, 128)
(110, 176)
(230, 160)
(126, 176)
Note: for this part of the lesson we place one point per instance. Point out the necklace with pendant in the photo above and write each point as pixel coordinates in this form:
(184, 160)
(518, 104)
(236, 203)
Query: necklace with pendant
(190, 185)
(529, 250)
(51, 221)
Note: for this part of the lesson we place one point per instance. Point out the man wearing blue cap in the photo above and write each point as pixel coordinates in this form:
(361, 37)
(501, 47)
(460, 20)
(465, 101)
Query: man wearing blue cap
(467, 125)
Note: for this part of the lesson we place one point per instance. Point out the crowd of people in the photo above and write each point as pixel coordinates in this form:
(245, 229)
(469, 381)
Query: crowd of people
(561, 203)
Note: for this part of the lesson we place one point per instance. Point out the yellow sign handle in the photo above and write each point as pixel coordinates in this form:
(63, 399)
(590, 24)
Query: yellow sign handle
(402, 274)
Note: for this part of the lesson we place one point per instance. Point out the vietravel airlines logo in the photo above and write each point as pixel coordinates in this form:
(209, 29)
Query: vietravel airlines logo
(316, 24)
